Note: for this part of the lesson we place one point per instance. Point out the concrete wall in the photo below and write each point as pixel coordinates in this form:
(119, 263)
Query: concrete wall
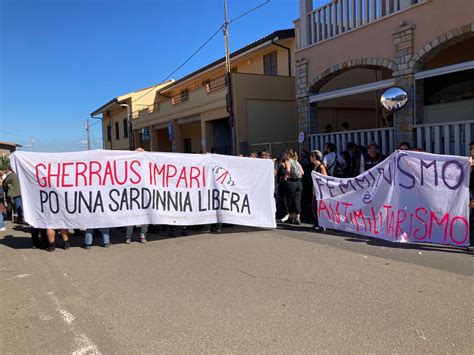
(264, 93)
(193, 132)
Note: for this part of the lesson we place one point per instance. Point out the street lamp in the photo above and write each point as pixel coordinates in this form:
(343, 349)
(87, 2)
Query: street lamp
(131, 140)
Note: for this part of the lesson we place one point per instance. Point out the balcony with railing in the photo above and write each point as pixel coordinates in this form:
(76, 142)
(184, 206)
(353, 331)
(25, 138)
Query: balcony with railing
(450, 138)
(382, 136)
(342, 16)
(208, 95)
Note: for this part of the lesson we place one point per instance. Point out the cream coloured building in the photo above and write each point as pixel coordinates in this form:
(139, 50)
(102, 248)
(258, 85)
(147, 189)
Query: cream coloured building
(114, 117)
(190, 114)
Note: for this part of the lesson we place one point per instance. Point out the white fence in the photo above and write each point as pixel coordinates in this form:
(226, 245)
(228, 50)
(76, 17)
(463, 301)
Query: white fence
(451, 138)
(445, 138)
(341, 16)
(382, 136)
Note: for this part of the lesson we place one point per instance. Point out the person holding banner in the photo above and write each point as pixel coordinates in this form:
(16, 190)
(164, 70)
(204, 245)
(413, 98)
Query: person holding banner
(471, 196)
(105, 238)
(319, 167)
(51, 234)
(129, 232)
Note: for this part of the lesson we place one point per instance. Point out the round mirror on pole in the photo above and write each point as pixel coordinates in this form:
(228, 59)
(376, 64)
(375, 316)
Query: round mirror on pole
(394, 99)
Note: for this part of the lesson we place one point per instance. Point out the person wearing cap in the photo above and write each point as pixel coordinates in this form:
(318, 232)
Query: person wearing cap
(317, 160)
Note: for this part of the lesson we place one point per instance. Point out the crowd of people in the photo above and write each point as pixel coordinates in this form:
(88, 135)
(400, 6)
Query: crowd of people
(294, 186)
(293, 191)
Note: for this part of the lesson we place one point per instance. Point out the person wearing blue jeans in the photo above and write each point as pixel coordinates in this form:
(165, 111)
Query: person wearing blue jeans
(2, 225)
(19, 207)
(105, 238)
(129, 232)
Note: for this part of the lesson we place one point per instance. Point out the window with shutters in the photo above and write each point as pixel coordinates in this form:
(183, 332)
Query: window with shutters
(270, 66)
(184, 95)
(125, 128)
(117, 132)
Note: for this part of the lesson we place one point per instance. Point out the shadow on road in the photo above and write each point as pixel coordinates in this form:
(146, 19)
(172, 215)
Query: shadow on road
(355, 238)
(15, 237)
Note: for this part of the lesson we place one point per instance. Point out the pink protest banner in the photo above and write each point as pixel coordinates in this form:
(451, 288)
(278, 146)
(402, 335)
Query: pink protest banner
(409, 197)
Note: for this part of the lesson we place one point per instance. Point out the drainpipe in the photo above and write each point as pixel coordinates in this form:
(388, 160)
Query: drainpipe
(100, 118)
(289, 55)
(131, 137)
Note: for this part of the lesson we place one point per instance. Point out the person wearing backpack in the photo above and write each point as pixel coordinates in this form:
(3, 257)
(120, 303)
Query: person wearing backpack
(295, 187)
(334, 163)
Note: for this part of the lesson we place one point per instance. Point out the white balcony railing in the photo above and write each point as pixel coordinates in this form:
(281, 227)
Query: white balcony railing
(451, 138)
(340, 16)
(445, 138)
(382, 136)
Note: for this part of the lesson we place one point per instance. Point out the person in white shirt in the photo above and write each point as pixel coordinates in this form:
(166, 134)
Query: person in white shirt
(334, 162)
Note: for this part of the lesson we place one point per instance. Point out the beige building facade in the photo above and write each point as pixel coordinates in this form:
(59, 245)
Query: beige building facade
(350, 51)
(115, 124)
(190, 115)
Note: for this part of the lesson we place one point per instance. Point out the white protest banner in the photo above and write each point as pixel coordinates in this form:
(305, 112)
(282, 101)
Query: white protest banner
(105, 188)
(409, 197)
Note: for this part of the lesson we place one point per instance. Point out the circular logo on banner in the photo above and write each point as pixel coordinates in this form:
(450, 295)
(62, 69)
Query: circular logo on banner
(301, 137)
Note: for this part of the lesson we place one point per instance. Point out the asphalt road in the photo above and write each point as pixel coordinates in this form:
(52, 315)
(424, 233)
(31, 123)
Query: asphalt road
(243, 291)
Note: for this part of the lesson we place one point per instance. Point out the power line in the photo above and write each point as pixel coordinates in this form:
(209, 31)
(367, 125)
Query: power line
(15, 134)
(252, 10)
(202, 46)
(184, 63)
(95, 140)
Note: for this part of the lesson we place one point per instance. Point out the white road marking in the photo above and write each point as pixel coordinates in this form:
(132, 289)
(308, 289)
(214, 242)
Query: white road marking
(86, 346)
(83, 343)
(20, 276)
(67, 317)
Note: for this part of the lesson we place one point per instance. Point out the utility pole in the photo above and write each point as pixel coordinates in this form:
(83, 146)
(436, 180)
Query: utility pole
(228, 76)
(88, 138)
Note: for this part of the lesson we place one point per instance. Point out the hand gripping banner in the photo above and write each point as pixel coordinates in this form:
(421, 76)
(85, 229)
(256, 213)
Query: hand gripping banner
(105, 188)
(409, 197)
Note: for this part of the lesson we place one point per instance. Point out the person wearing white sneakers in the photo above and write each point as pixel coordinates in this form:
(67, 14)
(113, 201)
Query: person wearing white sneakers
(129, 232)
(143, 227)
(2, 225)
